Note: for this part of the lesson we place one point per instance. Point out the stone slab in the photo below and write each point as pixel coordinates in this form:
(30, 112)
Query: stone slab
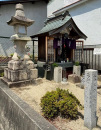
(16, 65)
(33, 73)
(73, 78)
(22, 75)
(99, 77)
(80, 85)
(99, 92)
(6, 72)
(29, 64)
(9, 74)
(18, 83)
(15, 75)
(38, 81)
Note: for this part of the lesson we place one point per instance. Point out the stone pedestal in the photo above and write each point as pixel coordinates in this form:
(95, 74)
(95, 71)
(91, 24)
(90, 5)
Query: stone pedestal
(77, 70)
(90, 101)
(73, 78)
(16, 65)
(58, 74)
(18, 75)
(33, 73)
(29, 64)
(20, 71)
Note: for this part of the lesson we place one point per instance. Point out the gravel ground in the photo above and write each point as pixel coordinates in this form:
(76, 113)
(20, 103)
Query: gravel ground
(33, 93)
(1, 128)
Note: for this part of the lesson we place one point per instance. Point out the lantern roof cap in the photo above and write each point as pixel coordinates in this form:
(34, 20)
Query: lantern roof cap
(19, 17)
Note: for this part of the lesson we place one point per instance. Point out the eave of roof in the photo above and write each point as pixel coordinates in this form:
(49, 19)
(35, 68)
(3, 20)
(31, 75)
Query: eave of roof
(69, 6)
(51, 25)
(57, 24)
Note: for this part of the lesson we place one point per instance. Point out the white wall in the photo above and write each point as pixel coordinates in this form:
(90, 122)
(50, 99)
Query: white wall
(87, 16)
(36, 11)
(68, 2)
(54, 5)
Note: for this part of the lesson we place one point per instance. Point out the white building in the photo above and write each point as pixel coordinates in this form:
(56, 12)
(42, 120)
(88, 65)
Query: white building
(87, 16)
(85, 13)
(54, 5)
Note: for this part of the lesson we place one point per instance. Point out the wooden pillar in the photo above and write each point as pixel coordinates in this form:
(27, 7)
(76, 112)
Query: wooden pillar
(82, 51)
(46, 45)
(33, 50)
(73, 55)
(54, 55)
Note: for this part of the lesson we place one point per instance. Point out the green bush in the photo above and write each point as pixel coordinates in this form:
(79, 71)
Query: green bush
(31, 56)
(60, 102)
(77, 63)
(12, 54)
(1, 74)
(55, 65)
(49, 104)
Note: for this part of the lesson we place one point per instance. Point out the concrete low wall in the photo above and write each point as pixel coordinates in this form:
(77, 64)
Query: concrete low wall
(15, 114)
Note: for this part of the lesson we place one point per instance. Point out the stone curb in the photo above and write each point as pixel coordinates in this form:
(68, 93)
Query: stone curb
(16, 114)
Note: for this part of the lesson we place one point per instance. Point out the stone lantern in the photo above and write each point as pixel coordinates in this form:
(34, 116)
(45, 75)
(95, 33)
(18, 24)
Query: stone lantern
(20, 24)
(20, 68)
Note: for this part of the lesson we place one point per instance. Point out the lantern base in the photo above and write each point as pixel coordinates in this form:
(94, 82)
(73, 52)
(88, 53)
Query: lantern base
(18, 83)
(19, 72)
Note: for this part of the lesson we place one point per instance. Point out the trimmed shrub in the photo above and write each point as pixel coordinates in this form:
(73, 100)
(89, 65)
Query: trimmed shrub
(1, 74)
(49, 104)
(60, 102)
(77, 63)
(55, 65)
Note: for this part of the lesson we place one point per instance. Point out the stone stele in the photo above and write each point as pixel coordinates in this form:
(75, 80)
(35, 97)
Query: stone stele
(90, 100)
(77, 70)
(20, 68)
(58, 74)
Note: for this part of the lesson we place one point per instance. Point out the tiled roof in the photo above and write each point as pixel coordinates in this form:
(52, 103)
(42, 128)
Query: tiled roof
(57, 24)
(54, 24)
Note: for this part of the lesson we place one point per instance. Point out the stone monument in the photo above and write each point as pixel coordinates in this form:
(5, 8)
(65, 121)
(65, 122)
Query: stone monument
(64, 79)
(20, 68)
(58, 74)
(77, 70)
(90, 101)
